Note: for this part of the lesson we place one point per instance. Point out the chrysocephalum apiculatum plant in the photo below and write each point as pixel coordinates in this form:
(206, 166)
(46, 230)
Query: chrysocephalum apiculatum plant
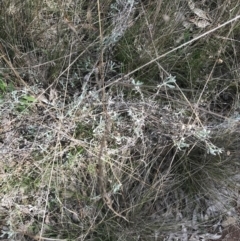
(95, 146)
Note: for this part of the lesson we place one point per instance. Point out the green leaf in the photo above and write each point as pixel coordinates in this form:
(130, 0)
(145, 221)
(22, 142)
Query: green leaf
(3, 85)
(29, 98)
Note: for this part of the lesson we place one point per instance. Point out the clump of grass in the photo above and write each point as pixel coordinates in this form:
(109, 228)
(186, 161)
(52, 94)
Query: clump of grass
(106, 140)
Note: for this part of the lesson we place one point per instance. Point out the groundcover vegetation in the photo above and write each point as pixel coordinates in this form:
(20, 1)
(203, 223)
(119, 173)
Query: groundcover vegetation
(119, 119)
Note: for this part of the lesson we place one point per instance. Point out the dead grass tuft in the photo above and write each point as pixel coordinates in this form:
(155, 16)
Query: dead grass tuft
(119, 120)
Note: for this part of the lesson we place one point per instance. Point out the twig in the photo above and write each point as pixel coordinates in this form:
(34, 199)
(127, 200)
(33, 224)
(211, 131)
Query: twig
(107, 200)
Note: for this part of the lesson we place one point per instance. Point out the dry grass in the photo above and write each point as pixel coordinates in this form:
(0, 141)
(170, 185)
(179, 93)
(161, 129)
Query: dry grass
(119, 120)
